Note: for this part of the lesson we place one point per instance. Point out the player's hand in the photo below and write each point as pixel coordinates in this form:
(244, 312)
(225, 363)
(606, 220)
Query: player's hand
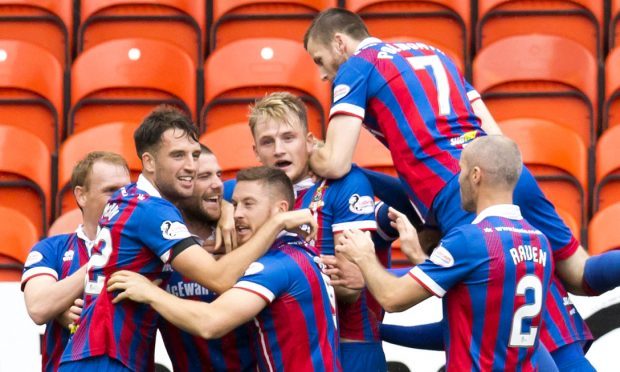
(409, 242)
(132, 285)
(300, 221)
(225, 233)
(71, 315)
(355, 245)
(342, 272)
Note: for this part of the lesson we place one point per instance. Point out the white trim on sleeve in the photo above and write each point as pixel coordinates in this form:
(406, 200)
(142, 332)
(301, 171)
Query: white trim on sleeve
(427, 282)
(362, 225)
(256, 288)
(347, 108)
(473, 95)
(41, 270)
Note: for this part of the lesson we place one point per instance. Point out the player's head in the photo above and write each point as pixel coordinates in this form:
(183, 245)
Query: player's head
(167, 143)
(332, 38)
(260, 193)
(279, 126)
(204, 204)
(94, 179)
(490, 165)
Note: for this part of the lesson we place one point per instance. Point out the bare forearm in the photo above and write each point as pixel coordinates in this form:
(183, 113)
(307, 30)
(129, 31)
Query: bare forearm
(323, 164)
(382, 285)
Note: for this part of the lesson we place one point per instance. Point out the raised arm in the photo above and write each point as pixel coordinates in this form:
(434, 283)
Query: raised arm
(333, 159)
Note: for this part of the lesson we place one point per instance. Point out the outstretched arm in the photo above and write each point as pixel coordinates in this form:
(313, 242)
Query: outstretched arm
(333, 159)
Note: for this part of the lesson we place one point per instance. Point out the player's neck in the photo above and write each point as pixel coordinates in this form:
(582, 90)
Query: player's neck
(90, 230)
(199, 228)
(489, 199)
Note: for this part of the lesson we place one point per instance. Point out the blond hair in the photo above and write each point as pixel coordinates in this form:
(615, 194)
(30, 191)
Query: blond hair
(278, 106)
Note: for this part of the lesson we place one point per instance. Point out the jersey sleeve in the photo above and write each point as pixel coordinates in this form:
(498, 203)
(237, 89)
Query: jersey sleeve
(457, 255)
(229, 187)
(353, 206)
(267, 278)
(44, 259)
(350, 89)
(161, 227)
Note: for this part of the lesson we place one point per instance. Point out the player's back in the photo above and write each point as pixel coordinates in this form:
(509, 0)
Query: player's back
(137, 230)
(495, 314)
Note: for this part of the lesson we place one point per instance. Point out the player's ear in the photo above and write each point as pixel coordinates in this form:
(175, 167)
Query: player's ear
(148, 162)
(80, 195)
(476, 175)
(281, 206)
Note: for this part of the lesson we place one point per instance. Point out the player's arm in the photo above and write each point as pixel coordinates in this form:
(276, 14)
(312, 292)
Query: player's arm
(343, 293)
(46, 298)
(220, 275)
(333, 159)
(208, 320)
(394, 294)
(487, 122)
(571, 271)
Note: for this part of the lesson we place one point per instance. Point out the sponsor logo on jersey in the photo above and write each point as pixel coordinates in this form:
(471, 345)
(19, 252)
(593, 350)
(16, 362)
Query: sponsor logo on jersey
(33, 258)
(464, 139)
(174, 230)
(442, 257)
(340, 91)
(68, 256)
(254, 268)
(110, 211)
(361, 204)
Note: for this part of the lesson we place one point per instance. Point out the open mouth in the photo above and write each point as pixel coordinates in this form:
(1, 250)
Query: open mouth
(213, 199)
(283, 163)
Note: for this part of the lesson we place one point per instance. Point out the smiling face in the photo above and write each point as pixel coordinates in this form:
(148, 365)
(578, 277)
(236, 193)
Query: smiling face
(253, 207)
(284, 145)
(204, 204)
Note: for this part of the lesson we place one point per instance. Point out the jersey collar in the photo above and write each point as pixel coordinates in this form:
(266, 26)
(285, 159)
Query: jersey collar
(510, 211)
(303, 185)
(82, 236)
(145, 185)
(369, 41)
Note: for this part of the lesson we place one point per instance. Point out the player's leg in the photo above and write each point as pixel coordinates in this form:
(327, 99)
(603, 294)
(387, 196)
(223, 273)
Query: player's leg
(362, 357)
(98, 363)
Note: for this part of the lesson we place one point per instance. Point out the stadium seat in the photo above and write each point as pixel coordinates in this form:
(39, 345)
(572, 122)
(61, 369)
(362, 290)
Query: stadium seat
(233, 145)
(241, 19)
(25, 175)
(31, 90)
(440, 22)
(603, 231)
(371, 154)
(570, 221)
(607, 174)
(611, 106)
(47, 24)
(547, 77)
(114, 137)
(241, 72)
(123, 80)
(18, 236)
(614, 24)
(66, 223)
(558, 159)
(180, 22)
(577, 20)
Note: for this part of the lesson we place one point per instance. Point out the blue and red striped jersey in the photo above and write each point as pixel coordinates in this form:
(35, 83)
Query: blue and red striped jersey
(57, 256)
(412, 97)
(494, 276)
(338, 205)
(137, 230)
(297, 331)
(232, 352)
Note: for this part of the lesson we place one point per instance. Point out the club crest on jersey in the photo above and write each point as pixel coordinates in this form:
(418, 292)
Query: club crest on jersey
(361, 204)
(317, 199)
(33, 258)
(68, 256)
(174, 230)
(442, 257)
(340, 91)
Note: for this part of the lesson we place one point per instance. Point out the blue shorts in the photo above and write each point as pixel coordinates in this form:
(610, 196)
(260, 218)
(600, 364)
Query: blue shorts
(570, 358)
(447, 213)
(362, 357)
(97, 363)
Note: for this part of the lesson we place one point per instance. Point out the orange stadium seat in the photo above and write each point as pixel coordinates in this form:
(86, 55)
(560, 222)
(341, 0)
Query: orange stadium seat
(570, 221)
(18, 236)
(371, 154)
(123, 80)
(233, 147)
(557, 158)
(114, 137)
(442, 23)
(66, 223)
(25, 175)
(577, 20)
(241, 72)
(607, 173)
(180, 22)
(240, 19)
(31, 90)
(603, 231)
(614, 23)
(47, 24)
(547, 77)
(611, 106)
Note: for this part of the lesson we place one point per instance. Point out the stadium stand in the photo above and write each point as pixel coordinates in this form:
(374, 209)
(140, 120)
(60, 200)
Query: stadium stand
(371, 154)
(18, 236)
(66, 223)
(603, 232)
(233, 146)
(611, 106)
(614, 23)
(607, 187)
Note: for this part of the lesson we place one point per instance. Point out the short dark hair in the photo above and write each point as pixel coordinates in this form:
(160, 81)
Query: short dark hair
(274, 178)
(333, 20)
(163, 117)
(83, 169)
(204, 149)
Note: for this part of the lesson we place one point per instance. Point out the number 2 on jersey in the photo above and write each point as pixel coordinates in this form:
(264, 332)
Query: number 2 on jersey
(440, 76)
(98, 261)
(517, 337)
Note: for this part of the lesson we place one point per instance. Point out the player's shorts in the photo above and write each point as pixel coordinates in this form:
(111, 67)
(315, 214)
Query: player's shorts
(97, 363)
(447, 213)
(570, 358)
(362, 357)
(545, 360)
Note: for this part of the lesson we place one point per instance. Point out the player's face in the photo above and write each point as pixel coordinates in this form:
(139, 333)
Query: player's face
(253, 207)
(104, 179)
(175, 165)
(204, 205)
(327, 57)
(284, 145)
(468, 191)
